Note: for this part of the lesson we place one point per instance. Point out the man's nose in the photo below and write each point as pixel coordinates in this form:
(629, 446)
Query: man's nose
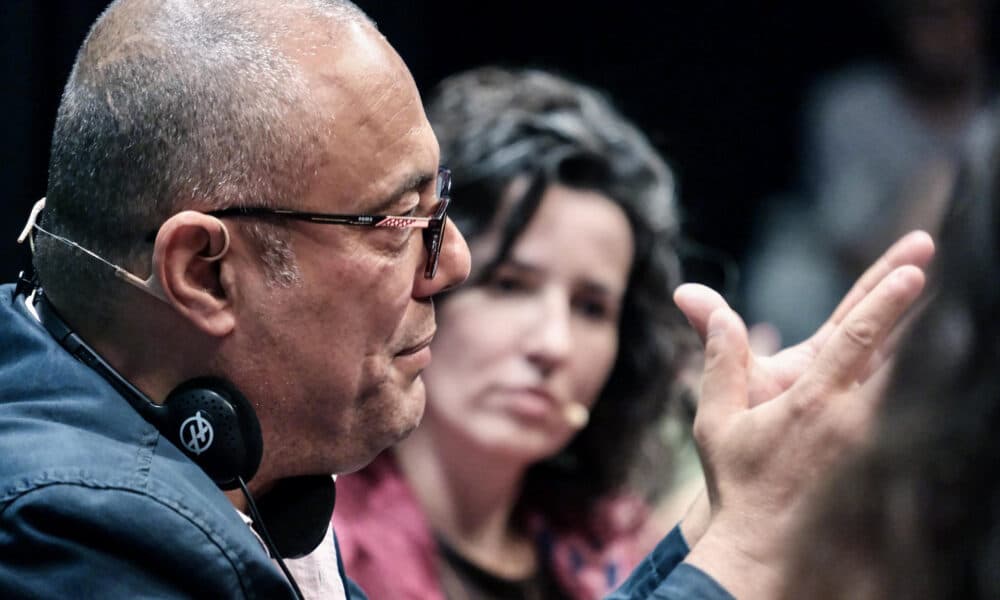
(453, 264)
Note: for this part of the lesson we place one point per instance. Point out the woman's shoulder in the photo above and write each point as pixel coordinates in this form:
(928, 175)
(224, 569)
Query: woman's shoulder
(381, 529)
(378, 499)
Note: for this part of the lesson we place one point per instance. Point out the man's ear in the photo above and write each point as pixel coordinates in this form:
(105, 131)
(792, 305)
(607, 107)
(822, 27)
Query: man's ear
(188, 249)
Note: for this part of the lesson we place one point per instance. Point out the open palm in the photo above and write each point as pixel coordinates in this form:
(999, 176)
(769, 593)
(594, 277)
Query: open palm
(772, 375)
(769, 428)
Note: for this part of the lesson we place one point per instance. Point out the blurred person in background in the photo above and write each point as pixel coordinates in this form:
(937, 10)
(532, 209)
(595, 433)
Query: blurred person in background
(551, 369)
(879, 133)
(882, 145)
(917, 514)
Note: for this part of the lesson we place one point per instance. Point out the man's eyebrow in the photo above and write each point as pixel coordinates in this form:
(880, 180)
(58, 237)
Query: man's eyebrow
(413, 183)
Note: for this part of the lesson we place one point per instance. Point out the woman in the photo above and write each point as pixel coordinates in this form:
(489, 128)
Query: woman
(552, 365)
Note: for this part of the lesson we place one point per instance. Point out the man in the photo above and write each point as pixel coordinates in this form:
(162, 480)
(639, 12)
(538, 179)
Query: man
(173, 110)
(231, 144)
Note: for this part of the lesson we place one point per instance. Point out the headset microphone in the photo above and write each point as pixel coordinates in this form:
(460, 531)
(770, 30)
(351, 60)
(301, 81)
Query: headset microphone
(576, 414)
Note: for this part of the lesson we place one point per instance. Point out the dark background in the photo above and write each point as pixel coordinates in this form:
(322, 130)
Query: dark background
(718, 85)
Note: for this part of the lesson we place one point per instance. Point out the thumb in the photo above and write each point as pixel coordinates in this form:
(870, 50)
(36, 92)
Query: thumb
(698, 302)
(724, 381)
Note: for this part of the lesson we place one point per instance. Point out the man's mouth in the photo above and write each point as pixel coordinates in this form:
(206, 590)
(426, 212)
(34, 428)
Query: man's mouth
(423, 343)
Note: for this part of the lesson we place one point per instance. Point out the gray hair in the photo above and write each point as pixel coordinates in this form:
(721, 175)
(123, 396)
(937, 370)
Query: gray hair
(173, 105)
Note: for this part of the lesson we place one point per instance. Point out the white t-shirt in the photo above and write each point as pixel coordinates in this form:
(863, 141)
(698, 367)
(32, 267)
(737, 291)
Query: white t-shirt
(316, 573)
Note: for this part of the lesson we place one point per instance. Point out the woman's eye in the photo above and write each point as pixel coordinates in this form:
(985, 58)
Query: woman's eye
(503, 283)
(596, 310)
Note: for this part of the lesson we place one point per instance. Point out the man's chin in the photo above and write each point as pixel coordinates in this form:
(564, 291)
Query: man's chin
(413, 412)
(389, 440)
(407, 413)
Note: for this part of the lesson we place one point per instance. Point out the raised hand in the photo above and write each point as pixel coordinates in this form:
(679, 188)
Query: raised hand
(769, 428)
(771, 375)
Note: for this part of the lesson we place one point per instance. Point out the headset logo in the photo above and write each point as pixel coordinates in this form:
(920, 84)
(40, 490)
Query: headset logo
(197, 433)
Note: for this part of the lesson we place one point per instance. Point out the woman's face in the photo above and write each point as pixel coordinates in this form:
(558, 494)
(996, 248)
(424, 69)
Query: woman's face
(540, 333)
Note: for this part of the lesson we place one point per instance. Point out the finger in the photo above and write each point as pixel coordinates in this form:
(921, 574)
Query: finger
(845, 356)
(765, 339)
(724, 381)
(860, 415)
(899, 332)
(874, 388)
(698, 302)
(915, 248)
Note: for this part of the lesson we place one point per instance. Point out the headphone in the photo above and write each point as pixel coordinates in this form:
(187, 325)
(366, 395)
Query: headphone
(206, 417)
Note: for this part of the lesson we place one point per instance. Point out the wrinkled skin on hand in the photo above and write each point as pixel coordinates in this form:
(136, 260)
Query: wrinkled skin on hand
(769, 429)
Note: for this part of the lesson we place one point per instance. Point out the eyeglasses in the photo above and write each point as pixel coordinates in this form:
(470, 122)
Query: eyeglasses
(433, 226)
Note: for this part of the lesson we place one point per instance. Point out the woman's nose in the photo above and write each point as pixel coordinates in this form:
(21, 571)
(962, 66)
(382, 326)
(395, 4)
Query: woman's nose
(549, 340)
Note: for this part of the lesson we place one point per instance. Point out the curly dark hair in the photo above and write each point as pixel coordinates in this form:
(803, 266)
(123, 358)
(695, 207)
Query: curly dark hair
(917, 514)
(498, 125)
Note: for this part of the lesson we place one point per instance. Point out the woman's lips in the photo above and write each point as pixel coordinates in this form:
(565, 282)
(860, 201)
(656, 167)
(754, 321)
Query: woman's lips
(531, 402)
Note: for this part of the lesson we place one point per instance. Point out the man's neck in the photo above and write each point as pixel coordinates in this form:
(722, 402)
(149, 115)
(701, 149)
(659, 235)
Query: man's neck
(238, 500)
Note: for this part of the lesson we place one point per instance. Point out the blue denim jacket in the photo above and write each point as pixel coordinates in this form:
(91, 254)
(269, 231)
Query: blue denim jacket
(662, 576)
(94, 503)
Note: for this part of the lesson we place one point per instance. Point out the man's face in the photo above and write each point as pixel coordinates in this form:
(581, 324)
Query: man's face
(336, 360)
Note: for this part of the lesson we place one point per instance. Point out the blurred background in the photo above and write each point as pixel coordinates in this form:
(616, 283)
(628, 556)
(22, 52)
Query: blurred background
(802, 134)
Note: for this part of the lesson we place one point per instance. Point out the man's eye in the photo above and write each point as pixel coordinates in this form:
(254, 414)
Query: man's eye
(412, 212)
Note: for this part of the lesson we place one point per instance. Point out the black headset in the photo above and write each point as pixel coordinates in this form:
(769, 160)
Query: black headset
(206, 417)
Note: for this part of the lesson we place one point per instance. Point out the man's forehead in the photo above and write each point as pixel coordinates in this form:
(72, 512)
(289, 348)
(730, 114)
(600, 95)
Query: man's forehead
(377, 140)
(342, 52)
(371, 166)
(355, 79)
(413, 182)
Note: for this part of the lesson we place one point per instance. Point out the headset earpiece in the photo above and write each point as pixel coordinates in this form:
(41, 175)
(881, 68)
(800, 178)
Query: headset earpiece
(215, 425)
